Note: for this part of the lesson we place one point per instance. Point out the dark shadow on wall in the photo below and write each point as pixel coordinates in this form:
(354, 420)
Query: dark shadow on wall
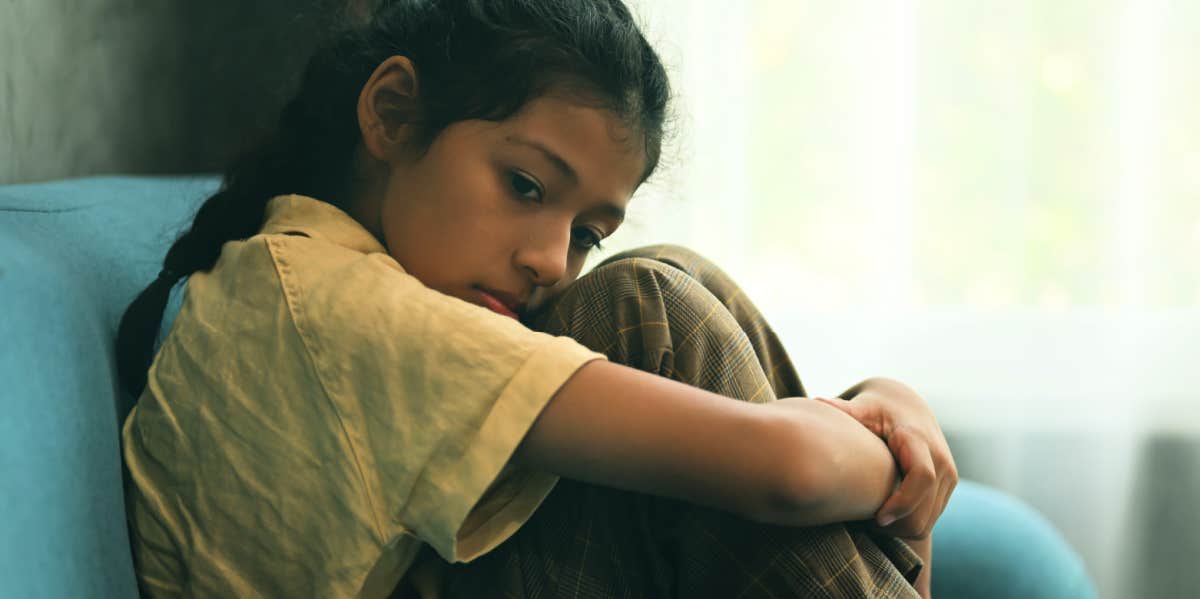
(1162, 505)
(88, 87)
(122, 86)
(243, 61)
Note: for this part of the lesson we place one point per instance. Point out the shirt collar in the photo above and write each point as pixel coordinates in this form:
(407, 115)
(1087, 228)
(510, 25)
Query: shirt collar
(320, 220)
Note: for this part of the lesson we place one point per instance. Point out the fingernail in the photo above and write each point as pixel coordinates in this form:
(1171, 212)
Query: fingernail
(886, 520)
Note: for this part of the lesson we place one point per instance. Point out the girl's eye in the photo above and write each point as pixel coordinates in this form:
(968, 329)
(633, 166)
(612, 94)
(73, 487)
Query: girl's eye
(586, 239)
(525, 187)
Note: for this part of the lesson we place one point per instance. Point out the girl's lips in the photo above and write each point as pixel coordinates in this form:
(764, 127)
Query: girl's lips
(496, 305)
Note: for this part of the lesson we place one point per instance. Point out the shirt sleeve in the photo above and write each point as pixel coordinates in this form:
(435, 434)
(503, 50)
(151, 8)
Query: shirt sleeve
(434, 394)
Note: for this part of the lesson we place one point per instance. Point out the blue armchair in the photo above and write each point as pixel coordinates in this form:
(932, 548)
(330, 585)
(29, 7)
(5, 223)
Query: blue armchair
(73, 254)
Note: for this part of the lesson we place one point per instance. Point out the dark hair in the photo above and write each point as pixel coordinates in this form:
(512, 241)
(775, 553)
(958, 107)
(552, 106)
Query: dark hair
(475, 59)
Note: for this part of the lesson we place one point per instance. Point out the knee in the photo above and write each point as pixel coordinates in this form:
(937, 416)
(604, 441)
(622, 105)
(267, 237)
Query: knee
(653, 289)
(624, 285)
(677, 256)
(641, 273)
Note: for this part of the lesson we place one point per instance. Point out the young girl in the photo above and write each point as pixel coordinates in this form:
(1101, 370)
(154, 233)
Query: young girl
(384, 361)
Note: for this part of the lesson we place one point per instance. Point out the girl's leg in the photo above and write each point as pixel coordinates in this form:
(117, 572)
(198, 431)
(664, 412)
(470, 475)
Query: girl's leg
(667, 311)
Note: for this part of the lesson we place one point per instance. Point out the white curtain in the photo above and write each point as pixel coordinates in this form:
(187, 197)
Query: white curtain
(996, 201)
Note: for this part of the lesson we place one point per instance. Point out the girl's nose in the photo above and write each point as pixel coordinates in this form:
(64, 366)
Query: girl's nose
(544, 255)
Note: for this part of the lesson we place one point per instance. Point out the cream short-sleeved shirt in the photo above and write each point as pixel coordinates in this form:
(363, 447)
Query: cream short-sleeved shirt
(316, 414)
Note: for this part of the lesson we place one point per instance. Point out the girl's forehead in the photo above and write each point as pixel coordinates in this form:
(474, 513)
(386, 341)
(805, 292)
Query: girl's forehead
(596, 144)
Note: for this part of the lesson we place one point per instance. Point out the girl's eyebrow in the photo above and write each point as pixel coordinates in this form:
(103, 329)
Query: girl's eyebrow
(554, 159)
(607, 208)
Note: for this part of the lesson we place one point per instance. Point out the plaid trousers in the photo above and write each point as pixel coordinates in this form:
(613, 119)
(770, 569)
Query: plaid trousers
(666, 310)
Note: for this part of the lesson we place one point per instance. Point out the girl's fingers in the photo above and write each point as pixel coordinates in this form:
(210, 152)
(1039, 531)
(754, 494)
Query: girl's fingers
(840, 404)
(950, 481)
(918, 476)
(947, 480)
(865, 412)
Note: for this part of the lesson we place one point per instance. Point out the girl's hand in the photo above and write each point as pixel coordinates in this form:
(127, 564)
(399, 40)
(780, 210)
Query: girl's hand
(895, 413)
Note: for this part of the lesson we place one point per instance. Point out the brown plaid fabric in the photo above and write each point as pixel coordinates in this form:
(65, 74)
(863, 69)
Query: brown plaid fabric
(665, 310)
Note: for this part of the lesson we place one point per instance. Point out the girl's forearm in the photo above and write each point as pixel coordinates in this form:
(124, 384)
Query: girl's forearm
(794, 461)
(851, 471)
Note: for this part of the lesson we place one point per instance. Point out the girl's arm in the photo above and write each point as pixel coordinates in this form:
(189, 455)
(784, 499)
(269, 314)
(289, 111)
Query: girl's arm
(923, 548)
(794, 462)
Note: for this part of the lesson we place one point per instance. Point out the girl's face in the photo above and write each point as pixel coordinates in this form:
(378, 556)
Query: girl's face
(504, 214)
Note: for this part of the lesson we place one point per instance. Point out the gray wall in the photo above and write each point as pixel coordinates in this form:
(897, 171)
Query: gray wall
(144, 87)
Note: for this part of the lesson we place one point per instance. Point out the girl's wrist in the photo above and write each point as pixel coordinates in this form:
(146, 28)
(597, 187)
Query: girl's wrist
(853, 471)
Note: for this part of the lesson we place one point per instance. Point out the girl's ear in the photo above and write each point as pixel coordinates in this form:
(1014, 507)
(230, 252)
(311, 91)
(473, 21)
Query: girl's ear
(388, 109)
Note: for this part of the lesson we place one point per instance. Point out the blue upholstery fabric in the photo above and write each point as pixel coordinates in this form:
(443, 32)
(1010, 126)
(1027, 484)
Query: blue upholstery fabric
(74, 253)
(989, 545)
